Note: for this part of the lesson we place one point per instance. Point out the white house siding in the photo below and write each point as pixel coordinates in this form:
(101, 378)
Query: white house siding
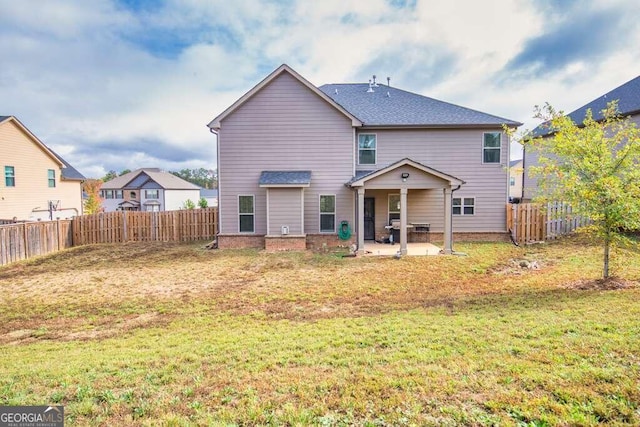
(174, 199)
(285, 209)
(516, 172)
(285, 126)
(456, 152)
(32, 189)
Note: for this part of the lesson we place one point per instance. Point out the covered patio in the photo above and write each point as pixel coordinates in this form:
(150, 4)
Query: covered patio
(401, 177)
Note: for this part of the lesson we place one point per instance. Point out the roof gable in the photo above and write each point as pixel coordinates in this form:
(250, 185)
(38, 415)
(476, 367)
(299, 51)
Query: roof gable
(68, 172)
(140, 177)
(384, 105)
(284, 68)
(360, 180)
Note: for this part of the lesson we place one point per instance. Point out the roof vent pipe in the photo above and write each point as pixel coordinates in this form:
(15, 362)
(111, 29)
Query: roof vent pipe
(370, 90)
(389, 81)
(374, 81)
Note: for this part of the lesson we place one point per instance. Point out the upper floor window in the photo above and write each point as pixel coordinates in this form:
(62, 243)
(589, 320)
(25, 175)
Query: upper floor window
(246, 214)
(512, 181)
(464, 206)
(9, 176)
(107, 194)
(327, 213)
(367, 149)
(133, 194)
(152, 194)
(119, 194)
(51, 175)
(491, 147)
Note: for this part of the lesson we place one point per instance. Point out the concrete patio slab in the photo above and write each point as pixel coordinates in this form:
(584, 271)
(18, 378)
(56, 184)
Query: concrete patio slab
(413, 249)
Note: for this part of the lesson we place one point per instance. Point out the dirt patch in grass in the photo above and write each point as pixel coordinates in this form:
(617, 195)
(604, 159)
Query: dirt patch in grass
(609, 284)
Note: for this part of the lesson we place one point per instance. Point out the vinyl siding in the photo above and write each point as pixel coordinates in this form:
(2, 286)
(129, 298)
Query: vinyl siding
(285, 126)
(285, 208)
(174, 199)
(32, 188)
(458, 153)
(517, 173)
(423, 206)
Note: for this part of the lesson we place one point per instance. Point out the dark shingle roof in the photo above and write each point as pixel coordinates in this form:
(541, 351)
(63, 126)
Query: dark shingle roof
(4, 118)
(395, 107)
(628, 96)
(68, 171)
(285, 178)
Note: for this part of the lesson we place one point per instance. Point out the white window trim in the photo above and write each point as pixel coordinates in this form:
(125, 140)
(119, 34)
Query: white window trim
(389, 211)
(375, 152)
(146, 194)
(49, 178)
(253, 198)
(320, 213)
(462, 206)
(491, 148)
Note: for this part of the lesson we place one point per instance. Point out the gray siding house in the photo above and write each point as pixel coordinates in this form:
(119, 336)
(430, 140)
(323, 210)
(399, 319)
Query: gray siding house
(628, 97)
(303, 166)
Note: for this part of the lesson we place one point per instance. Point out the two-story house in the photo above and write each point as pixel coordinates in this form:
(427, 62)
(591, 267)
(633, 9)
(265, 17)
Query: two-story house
(36, 183)
(628, 97)
(147, 189)
(302, 166)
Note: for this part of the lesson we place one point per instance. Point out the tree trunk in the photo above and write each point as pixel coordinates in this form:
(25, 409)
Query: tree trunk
(607, 243)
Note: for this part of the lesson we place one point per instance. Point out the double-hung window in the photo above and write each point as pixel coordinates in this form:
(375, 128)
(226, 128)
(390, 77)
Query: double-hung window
(394, 207)
(107, 194)
(491, 147)
(367, 149)
(246, 214)
(9, 176)
(118, 194)
(464, 206)
(327, 213)
(51, 175)
(152, 194)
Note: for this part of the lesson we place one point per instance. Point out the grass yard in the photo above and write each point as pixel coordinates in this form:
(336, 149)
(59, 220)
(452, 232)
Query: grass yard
(176, 335)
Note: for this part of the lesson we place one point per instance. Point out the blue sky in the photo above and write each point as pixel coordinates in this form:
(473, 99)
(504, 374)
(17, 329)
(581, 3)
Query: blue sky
(115, 84)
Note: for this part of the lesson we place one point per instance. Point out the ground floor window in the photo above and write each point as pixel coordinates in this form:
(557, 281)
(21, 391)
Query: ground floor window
(327, 213)
(394, 207)
(246, 214)
(464, 205)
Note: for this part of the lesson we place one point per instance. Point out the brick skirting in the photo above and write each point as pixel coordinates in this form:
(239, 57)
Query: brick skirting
(240, 241)
(285, 243)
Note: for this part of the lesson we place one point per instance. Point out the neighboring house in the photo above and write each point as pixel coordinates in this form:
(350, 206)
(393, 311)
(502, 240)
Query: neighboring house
(516, 174)
(628, 97)
(300, 165)
(147, 189)
(211, 196)
(36, 184)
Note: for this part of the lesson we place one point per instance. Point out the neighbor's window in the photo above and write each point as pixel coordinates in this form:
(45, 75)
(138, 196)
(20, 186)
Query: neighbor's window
(464, 205)
(9, 176)
(152, 194)
(366, 149)
(394, 207)
(246, 213)
(107, 194)
(491, 147)
(51, 175)
(512, 181)
(118, 194)
(327, 213)
(132, 194)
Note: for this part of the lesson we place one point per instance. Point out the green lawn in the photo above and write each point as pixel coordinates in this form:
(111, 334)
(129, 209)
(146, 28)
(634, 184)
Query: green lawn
(153, 334)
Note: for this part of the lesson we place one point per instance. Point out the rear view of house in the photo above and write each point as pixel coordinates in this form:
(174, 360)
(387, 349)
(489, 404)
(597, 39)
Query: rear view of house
(36, 183)
(302, 166)
(147, 189)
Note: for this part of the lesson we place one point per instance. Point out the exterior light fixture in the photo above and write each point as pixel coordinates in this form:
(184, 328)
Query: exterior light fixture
(405, 175)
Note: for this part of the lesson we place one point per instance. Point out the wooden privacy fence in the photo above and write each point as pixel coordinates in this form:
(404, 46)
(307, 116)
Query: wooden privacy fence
(129, 226)
(529, 222)
(29, 239)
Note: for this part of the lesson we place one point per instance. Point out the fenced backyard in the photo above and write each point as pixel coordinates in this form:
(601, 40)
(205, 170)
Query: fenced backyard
(529, 222)
(21, 241)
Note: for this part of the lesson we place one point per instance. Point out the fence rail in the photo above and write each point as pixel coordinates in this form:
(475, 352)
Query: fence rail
(529, 222)
(26, 240)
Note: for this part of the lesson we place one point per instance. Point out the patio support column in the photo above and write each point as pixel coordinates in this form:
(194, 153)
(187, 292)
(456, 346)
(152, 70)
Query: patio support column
(448, 227)
(403, 221)
(360, 220)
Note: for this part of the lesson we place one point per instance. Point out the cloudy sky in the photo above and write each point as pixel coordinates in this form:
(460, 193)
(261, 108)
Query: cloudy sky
(115, 84)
